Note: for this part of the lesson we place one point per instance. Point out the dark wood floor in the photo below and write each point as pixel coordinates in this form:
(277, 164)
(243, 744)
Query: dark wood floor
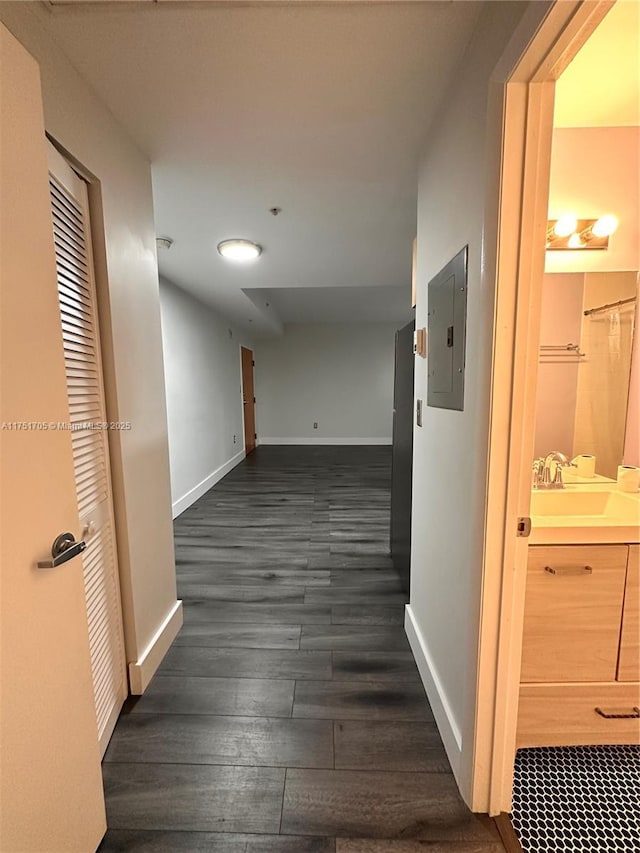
(288, 717)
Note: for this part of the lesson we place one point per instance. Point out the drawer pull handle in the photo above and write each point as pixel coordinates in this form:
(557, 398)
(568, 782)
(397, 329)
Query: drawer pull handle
(634, 715)
(569, 570)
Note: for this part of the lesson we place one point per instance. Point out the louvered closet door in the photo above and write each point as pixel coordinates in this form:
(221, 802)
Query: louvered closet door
(76, 291)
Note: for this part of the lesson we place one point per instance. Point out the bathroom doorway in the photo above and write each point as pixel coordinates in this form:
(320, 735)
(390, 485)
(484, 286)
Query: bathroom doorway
(578, 723)
(526, 167)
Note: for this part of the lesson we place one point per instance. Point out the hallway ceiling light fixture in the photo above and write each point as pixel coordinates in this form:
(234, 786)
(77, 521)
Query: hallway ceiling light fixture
(164, 242)
(239, 250)
(568, 232)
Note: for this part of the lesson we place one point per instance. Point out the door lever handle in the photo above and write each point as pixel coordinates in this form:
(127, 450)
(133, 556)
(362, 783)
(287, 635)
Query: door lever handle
(64, 548)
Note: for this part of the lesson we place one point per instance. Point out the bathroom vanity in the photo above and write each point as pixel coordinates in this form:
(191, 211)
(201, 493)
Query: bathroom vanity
(580, 677)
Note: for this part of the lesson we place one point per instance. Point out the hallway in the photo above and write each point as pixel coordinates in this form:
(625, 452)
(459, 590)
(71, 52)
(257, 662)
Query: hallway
(288, 717)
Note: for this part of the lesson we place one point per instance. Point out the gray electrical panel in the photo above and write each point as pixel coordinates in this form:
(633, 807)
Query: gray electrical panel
(446, 325)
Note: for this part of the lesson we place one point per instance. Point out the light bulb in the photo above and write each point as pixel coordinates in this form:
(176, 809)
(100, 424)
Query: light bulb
(575, 242)
(565, 225)
(605, 226)
(239, 250)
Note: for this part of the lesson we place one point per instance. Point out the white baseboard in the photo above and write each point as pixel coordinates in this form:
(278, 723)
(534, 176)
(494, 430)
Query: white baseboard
(142, 671)
(204, 485)
(445, 720)
(320, 441)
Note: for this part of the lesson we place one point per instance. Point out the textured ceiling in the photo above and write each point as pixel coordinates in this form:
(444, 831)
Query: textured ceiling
(321, 110)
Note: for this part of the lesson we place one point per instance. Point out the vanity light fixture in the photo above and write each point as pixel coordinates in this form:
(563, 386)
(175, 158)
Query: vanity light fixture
(568, 232)
(239, 250)
(565, 226)
(605, 226)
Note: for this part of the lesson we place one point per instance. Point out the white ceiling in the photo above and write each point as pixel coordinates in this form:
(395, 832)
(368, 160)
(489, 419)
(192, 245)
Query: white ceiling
(335, 304)
(320, 109)
(601, 86)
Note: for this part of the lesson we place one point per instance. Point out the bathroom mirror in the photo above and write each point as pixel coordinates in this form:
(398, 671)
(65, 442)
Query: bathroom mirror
(588, 340)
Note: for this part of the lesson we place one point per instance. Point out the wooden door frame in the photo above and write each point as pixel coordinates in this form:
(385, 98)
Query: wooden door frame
(97, 238)
(521, 101)
(59, 163)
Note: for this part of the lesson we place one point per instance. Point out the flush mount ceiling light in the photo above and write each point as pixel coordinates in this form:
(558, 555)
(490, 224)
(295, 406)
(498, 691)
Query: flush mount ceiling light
(239, 250)
(164, 242)
(569, 232)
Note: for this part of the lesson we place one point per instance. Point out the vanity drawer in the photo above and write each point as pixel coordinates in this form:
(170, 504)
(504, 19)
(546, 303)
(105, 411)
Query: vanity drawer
(565, 715)
(573, 613)
(629, 662)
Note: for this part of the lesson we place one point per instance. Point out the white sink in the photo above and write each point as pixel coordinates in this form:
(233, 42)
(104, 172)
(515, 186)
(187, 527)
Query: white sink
(575, 514)
(592, 503)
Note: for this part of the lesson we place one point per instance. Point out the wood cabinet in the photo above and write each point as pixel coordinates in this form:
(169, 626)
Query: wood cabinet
(566, 715)
(581, 646)
(629, 663)
(573, 611)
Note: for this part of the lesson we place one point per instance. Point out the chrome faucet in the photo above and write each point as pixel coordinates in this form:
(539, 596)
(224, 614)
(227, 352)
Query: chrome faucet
(537, 469)
(542, 470)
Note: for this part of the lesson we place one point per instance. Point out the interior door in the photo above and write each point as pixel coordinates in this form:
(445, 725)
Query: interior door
(89, 438)
(402, 453)
(50, 784)
(248, 400)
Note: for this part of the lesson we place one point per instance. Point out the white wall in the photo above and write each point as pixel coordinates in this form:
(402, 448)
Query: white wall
(204, 399)
(131, 338)
(450, 450)
(596, 170)
(338, 375)
(560, 324)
